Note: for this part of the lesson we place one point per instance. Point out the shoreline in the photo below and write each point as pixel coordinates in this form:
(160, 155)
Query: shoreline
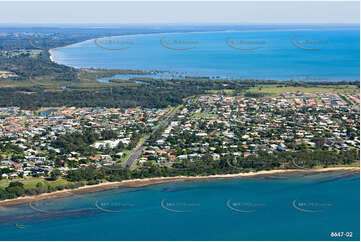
(53, 59)
(133, 183)
(140, 34)
(117, 36)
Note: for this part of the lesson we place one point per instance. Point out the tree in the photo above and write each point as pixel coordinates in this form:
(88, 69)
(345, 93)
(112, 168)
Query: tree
(42, 188)
(55, 174)
(16, 188)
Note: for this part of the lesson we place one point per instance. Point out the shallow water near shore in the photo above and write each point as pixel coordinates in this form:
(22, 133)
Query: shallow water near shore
(302, 206)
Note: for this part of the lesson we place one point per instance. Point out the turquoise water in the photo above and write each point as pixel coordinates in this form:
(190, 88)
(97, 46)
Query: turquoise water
(292, 207)
(298, 54)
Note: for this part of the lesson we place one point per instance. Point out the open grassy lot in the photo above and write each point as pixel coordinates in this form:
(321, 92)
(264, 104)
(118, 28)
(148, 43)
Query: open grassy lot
(226, 91)
(56, 109)
(58, 182)
(276, 90)
(31, 182)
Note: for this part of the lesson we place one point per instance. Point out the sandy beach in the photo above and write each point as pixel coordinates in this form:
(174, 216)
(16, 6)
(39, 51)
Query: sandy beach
(50, 51)
(158, 180)
(51, 56)
(52, 59)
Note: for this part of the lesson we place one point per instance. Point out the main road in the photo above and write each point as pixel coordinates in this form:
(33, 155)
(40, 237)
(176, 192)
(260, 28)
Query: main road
(138, 151)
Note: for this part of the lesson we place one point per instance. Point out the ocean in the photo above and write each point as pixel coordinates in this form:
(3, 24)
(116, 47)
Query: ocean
(293, 53)
(284, 207)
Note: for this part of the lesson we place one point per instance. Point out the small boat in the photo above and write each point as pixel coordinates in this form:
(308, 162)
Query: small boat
(20, 226)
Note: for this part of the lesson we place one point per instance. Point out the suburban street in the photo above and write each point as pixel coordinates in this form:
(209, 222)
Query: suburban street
(135, 155)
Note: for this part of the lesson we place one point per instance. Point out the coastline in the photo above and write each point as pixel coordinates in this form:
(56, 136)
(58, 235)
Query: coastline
(196, 72)
(136, 35)
(51, 55)
(157, 180)
(117, 36)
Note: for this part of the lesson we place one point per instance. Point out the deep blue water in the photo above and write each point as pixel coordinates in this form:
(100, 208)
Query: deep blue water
(297, 54)
(292, 207)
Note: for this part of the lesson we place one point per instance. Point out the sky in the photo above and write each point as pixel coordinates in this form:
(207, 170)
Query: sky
(178, 12)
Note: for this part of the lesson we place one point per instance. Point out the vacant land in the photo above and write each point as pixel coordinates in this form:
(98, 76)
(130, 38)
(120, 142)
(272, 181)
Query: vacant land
(204, 115)
(276, 90)
(32, 182)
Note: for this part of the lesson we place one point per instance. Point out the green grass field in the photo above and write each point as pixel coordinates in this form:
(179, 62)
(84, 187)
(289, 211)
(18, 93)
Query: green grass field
(204, 115)
(226, 91)
(276, 90)
(31, 182)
